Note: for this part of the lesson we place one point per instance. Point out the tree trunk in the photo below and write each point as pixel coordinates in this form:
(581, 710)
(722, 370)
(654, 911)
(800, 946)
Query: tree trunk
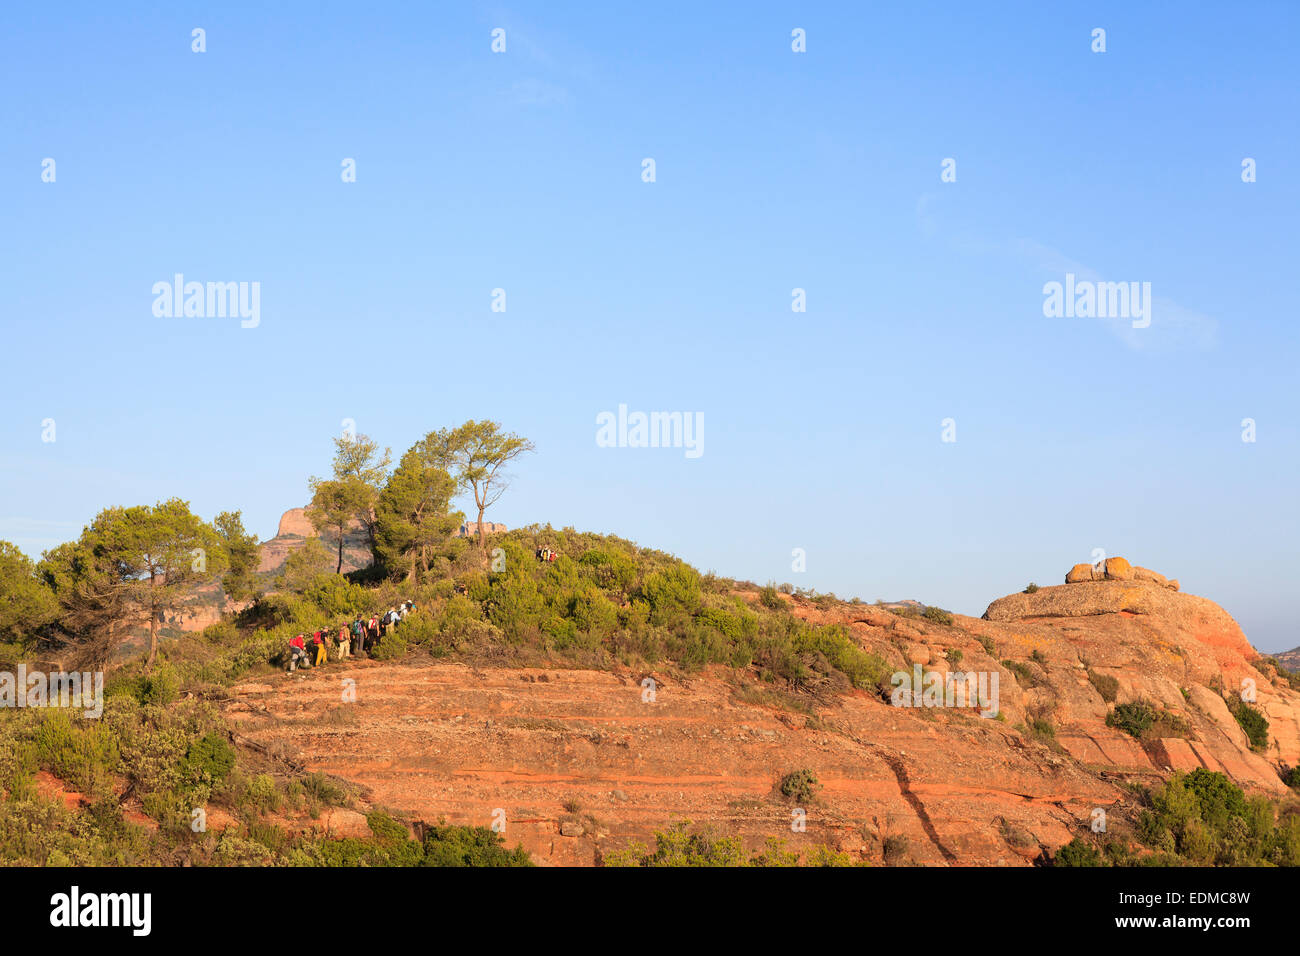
(153, 623)
(339, 569)
(482, 534)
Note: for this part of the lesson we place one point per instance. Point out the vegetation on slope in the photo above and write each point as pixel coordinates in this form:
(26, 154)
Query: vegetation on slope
(1196, 819)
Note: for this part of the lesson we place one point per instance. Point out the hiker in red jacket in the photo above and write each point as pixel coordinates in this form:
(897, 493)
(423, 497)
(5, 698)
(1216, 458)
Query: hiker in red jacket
(298, 653)
(322, 652)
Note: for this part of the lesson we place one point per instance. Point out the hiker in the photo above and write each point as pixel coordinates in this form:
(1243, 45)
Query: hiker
(393, 619)
(322, 653)
(358, 637)
(343, 641)
(298, 653)
(372, 633)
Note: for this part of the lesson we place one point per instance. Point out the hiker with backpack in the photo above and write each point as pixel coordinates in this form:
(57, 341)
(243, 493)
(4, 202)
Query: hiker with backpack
(358, 637)
(298, 653)
(322, 652)
(344, 642)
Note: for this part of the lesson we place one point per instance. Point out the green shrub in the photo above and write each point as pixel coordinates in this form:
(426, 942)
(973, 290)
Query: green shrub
(1134, 718)
(1022, 672)
(392, 647)
(1041, 728)
(1031, 588)
(676, 589)
(801, 786)
(470, 846)
(1106, 685)
(938, 616)
(322, 789)
(680, 846)
(609, 569)
(770, 598)
(208, 760)
(1078, 852)
(1252, 721)
(159, 688)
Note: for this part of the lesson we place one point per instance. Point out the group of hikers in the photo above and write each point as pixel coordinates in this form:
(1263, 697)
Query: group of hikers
(357, 639)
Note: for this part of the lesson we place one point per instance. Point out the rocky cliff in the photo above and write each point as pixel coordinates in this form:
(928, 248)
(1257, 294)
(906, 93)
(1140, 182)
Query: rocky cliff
(579, 762)
(294, 530)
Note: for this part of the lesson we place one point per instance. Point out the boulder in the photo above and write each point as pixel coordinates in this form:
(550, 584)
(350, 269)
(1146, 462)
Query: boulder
(1118, 569)
(1080, 573)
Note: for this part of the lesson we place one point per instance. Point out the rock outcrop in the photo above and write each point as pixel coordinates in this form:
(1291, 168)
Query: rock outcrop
(581, 763)
(1116, 569)
(294, 530)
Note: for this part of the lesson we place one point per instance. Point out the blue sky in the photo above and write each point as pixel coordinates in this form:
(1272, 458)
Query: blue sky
(774, 170)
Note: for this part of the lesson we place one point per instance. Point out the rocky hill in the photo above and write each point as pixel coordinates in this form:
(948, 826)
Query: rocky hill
(1289, 659)
(293, 532)
(579, 762)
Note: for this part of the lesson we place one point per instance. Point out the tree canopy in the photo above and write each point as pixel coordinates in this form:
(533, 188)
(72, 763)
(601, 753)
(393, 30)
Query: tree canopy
(413, 521)
(477, 454)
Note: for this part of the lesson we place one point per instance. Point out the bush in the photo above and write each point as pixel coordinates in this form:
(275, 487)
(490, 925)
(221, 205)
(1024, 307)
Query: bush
(1252, 721)
(208, 760)
(679, 846)
(800, 786)
(675, 589)
(1022, 672)
(392, 647)
(470, 846)
(1031, 588)
(159, 688)
(322, 789)
(609, 569)
(1105, 684)
(1041, 728)
(1134, 718)
(938, 616)
(1078, 852)
(894, 849)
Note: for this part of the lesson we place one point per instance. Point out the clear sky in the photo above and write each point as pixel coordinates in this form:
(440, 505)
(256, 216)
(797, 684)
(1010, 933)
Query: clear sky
(774, 170)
